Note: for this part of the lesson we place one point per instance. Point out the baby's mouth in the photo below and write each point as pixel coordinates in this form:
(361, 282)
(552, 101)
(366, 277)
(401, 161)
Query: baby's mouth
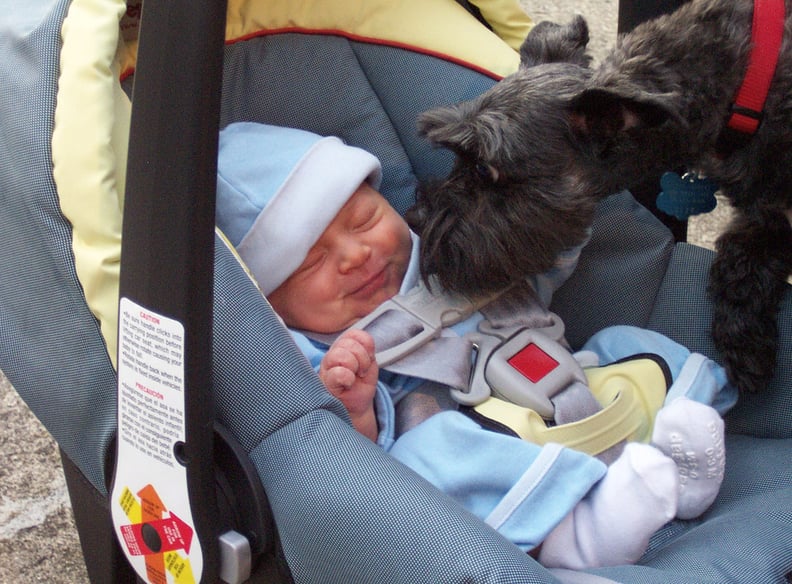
(371, 284)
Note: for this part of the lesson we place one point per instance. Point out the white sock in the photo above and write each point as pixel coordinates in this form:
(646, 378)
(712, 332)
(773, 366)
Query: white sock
(691, 433)
(613, 524)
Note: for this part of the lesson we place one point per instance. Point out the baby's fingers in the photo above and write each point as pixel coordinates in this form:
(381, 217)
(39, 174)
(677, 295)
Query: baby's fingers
(355, 350)
(338, 379)
(341, 356)
(361, 337)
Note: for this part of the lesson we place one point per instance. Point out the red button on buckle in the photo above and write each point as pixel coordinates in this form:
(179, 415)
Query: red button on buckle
(533, 362)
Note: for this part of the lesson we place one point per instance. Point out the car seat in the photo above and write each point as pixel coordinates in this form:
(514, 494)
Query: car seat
(104, 111)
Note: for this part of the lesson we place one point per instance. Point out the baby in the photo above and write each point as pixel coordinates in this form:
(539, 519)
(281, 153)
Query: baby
(326, 249)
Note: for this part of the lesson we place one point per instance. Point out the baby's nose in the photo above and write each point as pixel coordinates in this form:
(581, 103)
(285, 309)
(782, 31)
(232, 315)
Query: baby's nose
(353, 254)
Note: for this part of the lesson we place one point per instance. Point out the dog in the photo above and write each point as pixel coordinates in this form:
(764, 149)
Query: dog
(536, 152)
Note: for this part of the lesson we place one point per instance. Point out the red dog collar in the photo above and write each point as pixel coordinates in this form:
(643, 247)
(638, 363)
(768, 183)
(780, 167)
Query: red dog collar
(767, 32)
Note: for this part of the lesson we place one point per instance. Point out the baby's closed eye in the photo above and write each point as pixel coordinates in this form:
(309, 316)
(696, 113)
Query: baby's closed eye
(365, 220)
(312, 262)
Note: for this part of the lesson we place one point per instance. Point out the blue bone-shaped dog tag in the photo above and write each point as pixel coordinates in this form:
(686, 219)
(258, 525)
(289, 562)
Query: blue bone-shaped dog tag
(684, 196)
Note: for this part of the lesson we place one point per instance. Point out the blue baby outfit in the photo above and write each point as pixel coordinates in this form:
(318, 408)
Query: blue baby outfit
(519, 488)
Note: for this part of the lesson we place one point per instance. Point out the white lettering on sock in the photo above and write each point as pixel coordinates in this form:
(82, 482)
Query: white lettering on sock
(715, 453)
(686, 461)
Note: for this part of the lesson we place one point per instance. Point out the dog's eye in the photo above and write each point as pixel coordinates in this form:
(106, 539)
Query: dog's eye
(487, 171)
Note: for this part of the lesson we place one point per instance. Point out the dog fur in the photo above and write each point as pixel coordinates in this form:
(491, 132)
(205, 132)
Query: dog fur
(537, 152)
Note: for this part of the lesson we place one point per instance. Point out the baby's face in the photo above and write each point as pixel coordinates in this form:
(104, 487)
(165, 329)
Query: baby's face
(357, 263)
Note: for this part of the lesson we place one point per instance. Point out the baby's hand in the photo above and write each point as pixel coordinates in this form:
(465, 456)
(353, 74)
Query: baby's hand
(349, 371)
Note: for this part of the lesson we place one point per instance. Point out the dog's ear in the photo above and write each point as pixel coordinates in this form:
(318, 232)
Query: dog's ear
(445, 126)
(548, 42)
(458, 129)
(603, 114)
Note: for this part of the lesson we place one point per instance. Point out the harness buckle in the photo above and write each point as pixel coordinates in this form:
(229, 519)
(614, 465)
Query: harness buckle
(526, 366)
(523, 365)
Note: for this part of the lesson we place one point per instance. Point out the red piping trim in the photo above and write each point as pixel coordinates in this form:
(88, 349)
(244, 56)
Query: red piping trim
(359, 38)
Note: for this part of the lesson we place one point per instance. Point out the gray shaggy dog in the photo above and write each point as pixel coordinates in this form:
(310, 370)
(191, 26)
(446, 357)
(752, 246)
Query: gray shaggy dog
(535, 154)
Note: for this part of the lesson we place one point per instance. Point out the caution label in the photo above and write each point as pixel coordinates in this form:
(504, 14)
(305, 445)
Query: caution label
(158, 538)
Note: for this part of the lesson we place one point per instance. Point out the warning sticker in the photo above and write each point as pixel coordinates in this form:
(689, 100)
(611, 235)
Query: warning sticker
(150, 382)
(158, 535)
(157, 539)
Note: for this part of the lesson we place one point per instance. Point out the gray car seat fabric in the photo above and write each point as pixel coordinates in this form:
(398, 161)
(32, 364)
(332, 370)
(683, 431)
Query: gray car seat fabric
(683, 312)
(360, 89)
(619, 273)
(50, 346)
(261, 380)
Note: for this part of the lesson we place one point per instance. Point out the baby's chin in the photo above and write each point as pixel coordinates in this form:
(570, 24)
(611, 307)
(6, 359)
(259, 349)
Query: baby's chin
(343, 320)
(384, 295)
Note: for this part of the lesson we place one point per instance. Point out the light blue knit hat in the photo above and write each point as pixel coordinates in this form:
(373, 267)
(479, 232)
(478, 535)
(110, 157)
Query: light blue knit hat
(279, 188)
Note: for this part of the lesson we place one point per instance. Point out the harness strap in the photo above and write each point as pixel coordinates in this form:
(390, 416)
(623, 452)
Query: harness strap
(431, 308)
(574, 403)
(449, 360)
(631, 393)
(519, 306)
(514, 322)
(443, 360)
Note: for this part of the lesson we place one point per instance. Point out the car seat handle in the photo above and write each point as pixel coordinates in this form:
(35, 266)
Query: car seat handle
(163, 497)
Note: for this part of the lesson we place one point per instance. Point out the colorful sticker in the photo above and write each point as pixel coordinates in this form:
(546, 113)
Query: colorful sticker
(151, 510)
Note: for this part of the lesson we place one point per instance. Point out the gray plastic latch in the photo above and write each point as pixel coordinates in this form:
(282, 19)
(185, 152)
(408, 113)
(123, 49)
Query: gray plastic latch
(235, 558)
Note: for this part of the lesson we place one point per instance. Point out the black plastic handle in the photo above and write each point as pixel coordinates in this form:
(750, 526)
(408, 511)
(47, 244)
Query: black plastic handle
(167, 255)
